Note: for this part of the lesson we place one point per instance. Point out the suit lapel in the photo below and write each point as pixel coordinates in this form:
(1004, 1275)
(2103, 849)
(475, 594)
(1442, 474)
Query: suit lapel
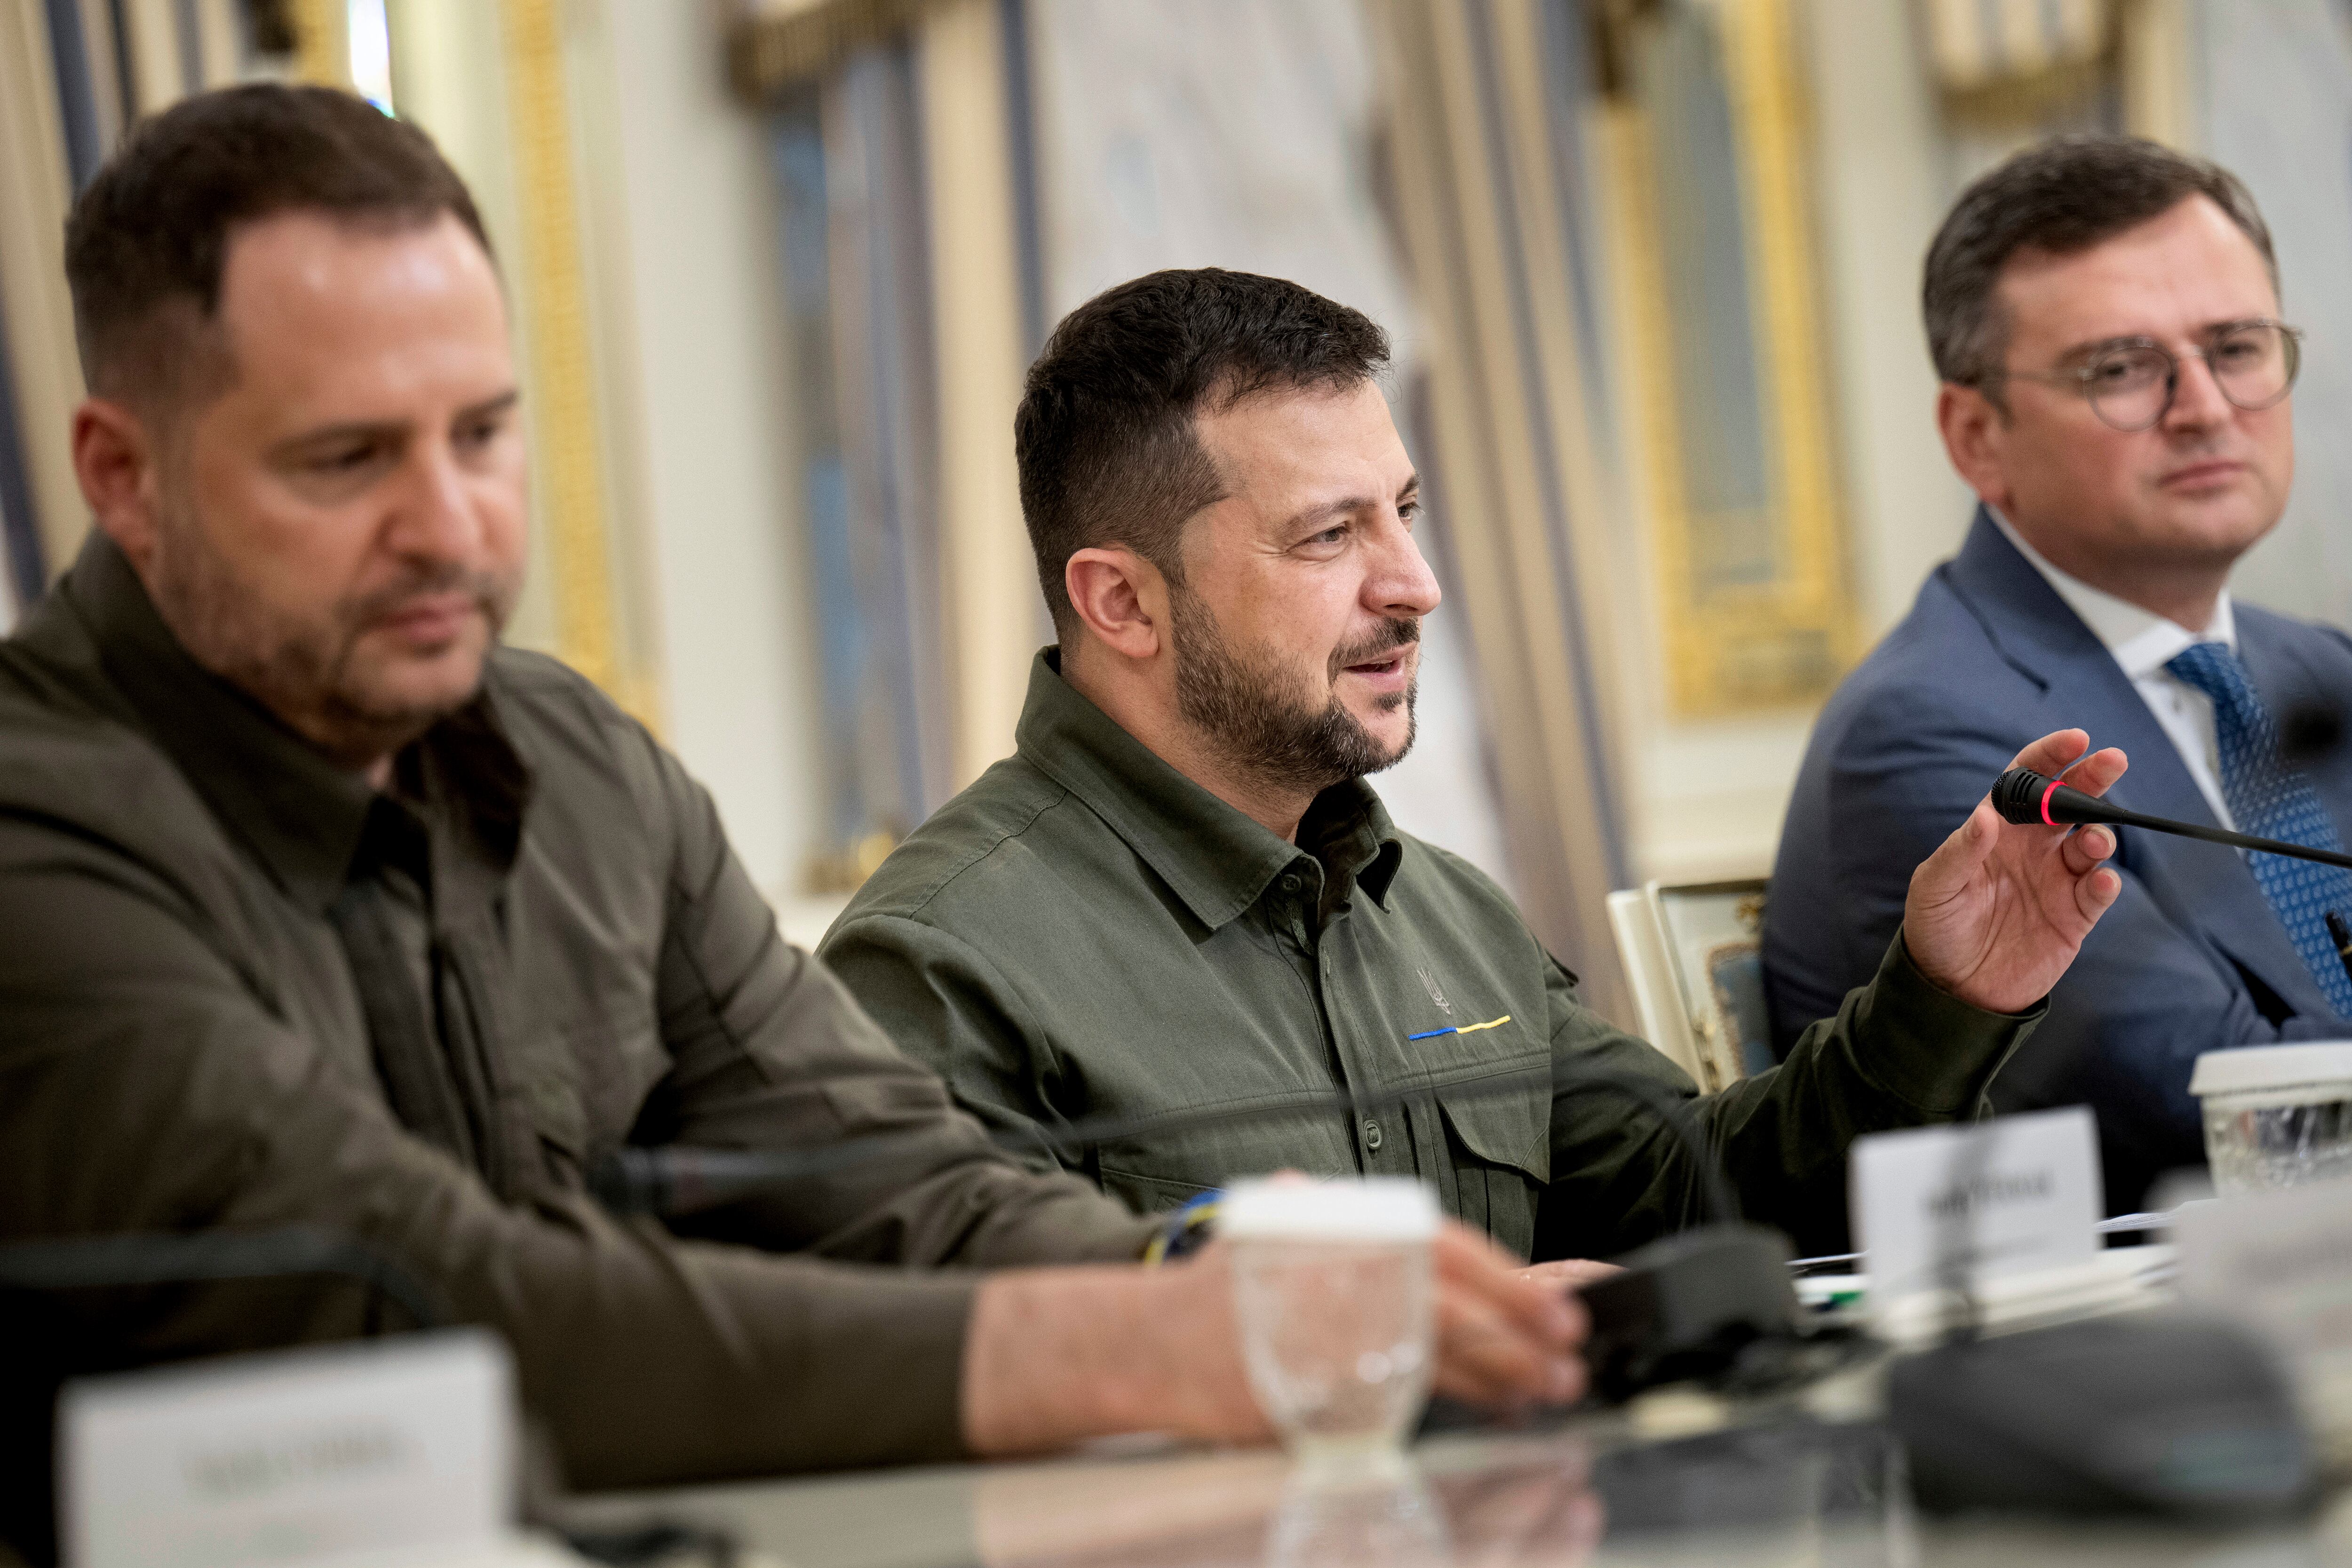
(2201, 887)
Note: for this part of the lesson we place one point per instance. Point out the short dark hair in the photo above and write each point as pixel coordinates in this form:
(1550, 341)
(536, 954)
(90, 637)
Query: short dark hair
(2062, 197)
(1104, 438)
(148, 239)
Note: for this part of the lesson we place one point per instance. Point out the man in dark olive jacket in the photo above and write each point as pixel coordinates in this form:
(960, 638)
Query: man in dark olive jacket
(1179, 905)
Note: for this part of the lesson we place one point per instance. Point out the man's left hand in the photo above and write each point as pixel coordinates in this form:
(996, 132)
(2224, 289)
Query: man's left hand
(1568, 1274)
(1999, 911)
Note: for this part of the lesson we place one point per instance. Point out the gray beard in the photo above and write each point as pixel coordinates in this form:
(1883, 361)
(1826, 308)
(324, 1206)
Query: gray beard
(1234, 701)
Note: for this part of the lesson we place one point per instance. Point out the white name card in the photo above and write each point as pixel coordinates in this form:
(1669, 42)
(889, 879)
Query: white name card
(380, 1449)
(2007, 1196)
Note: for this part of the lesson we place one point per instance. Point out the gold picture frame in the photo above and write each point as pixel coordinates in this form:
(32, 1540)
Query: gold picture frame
(1728, 423)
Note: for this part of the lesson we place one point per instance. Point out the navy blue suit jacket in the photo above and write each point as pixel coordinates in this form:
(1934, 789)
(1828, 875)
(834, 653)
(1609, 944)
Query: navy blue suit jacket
(2190, 959)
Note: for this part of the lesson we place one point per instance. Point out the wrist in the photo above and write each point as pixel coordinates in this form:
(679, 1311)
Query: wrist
(1054, 1356)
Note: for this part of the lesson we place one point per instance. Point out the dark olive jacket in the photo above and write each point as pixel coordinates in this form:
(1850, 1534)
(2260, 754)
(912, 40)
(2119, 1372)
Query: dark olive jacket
(184, 1046)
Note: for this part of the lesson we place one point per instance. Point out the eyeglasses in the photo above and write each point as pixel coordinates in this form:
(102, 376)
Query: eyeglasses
(2132, 384)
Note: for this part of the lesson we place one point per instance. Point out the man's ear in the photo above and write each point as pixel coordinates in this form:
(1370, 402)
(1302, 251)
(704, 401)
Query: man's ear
(115, 457)
(1121, 599)
(1972, 428)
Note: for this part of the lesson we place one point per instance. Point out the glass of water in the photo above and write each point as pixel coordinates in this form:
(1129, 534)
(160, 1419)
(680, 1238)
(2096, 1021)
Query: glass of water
(2276, 1116)
(1334, 1292)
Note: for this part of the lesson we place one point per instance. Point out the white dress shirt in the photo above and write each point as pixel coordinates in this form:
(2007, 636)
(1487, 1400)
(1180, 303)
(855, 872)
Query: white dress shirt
(2140, 642)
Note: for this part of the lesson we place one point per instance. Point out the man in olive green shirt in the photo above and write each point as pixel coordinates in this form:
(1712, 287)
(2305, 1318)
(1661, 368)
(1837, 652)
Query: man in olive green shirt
(319, 909)
(1179, 903)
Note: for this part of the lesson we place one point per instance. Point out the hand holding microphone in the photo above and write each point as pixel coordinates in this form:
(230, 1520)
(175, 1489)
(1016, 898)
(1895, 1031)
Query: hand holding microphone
(1997, 913)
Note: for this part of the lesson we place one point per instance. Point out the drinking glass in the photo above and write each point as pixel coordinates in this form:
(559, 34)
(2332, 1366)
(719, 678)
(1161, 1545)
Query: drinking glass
(1334, 1292)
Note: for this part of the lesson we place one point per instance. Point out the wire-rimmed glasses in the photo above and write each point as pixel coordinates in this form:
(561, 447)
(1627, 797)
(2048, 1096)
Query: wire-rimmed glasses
(2132, 381)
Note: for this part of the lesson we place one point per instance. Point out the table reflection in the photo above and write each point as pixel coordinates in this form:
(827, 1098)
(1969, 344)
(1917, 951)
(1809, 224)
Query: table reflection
(1381, 1514)
(1536, 1507)
(1792, 1492)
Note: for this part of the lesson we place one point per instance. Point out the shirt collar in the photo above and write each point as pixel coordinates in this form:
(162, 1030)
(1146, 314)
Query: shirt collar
(300, 815)
(1216, 858)
(2141, 641)
(1348, 830)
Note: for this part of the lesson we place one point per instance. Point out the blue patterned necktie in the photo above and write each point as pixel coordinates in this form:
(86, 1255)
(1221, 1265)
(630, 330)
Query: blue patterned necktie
(2270, 800)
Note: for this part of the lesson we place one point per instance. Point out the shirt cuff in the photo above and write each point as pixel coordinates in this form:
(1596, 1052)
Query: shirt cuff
(1927, 1047)
(911, 1345)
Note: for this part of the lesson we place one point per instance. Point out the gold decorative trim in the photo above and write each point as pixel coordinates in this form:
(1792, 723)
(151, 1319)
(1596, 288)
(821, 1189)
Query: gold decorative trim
(2154, 56)
(1976, 50)
(1785, 641)
(1768, 102)
(321, 43)
(562, 399)
(781, 42)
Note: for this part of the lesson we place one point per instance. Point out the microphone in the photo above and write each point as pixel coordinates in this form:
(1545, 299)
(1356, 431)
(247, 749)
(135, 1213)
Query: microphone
(177, 1258)
(1710, 1301)
(2023, 795)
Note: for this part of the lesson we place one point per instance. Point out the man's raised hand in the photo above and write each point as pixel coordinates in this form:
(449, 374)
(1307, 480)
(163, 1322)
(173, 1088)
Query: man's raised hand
(1997, 913)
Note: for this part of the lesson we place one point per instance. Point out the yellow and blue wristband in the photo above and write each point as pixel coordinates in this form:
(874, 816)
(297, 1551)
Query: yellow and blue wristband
(1187, 1230)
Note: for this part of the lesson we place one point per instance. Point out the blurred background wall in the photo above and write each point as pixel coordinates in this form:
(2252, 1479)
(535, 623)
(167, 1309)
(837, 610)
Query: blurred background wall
(1651, 268)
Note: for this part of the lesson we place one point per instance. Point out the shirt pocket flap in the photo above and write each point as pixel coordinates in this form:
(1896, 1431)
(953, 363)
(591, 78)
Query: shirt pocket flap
(1148, 1195)
(1503, 1122)
(543, 1076)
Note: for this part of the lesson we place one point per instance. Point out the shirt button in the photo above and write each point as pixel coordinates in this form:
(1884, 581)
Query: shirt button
(1290, 884)
(1371, 1134)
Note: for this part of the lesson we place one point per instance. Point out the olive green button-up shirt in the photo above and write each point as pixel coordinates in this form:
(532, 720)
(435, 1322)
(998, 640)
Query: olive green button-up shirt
(1087, 933)
(241, 990)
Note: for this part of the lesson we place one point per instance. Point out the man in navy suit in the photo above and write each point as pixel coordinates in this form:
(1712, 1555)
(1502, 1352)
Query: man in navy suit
(2103, 314)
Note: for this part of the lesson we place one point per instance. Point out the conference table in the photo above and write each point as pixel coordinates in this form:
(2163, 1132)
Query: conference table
(1680, 1480)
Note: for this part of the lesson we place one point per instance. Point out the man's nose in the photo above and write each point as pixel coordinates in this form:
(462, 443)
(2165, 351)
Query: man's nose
(434, 518)
(2197, 400)
(1402, 583)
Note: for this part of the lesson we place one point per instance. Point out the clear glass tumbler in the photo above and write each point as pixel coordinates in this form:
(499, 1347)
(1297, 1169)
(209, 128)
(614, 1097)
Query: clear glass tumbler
(2276, 1116)
(2255, 1148)
(1334, 1293)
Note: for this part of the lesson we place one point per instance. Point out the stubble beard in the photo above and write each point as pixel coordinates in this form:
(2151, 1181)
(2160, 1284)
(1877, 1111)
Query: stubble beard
(308, 671)
(1239, 701)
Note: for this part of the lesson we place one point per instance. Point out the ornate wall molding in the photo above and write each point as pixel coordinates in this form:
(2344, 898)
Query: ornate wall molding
(554, 296)
(773, 44)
